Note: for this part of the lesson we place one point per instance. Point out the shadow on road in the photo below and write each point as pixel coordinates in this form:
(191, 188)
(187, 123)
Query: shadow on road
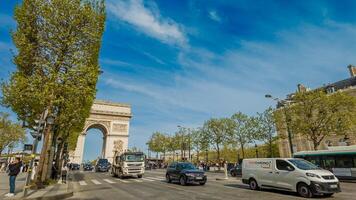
(246, 187)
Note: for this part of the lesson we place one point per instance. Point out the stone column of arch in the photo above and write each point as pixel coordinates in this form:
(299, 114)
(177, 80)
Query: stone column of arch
(113, 120)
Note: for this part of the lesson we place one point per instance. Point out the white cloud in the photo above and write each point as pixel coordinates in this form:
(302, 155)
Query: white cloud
(148, 20)
(214, 16)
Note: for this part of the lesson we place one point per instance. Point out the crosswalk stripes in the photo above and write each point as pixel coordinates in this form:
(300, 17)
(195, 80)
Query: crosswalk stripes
(156, 179)
(82, 183)
(146, 179)
(109, 181)
(124, 181)
(95, 182)
(112, 181)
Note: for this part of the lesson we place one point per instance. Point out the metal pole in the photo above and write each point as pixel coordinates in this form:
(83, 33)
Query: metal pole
(33, 156)
(190, 159)
(286, 115)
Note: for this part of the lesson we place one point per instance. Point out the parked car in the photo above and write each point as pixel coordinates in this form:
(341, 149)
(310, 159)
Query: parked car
(74, 166)
(236, 171)
(290, 174)
(102, 165)
(88, 167)
(185, 173)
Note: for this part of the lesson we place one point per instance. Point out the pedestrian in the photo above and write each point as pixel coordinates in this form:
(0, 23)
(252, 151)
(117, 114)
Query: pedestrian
(54, 172)
(64, 172)
(14, 170)
(34, 169)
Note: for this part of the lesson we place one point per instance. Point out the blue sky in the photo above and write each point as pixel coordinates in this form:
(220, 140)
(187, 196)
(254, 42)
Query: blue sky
(183, 62)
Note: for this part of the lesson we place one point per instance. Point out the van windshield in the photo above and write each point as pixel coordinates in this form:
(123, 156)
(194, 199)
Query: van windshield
(303, 164)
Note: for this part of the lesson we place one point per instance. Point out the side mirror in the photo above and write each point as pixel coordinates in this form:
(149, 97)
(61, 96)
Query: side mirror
(289, 168)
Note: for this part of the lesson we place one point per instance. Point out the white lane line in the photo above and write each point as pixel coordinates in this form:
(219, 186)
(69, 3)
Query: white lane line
(95, 182)
(123, 181)
(109, 181)
(157, 179)
(82, 183)
(137, 180)
(146, 179)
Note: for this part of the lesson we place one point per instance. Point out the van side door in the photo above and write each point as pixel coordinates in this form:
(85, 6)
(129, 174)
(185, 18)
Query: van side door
(285, 175)
(266, 173)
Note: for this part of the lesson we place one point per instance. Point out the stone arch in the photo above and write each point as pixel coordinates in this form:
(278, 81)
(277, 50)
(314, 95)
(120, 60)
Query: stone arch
(113, 120)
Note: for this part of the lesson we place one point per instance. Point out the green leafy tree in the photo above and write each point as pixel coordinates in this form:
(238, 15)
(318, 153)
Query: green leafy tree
(245, 130)
(10, 133)
(218, 131)
(316, 114)
(266, 129)
(200, 141)
(58, 45)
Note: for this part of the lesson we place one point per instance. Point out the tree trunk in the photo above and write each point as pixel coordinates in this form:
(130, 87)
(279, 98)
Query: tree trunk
(197, 156)
(218, 152)
(242, 151)
(270, 148)
(44, 157)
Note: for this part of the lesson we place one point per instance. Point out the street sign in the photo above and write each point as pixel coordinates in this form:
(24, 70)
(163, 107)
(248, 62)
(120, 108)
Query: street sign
(28, 147)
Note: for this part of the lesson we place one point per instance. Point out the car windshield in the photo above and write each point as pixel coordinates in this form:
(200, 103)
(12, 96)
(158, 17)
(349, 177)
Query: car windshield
(103, 161)
(303, 164)
(187, 166)
(134, 158)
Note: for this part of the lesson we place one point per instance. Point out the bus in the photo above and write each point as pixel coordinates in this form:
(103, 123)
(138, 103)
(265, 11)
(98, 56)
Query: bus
(340, 160)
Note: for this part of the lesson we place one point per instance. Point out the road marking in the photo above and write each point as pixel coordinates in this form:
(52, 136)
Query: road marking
(146, 179)
(123, 181)
(82, 183)
(95, 182)
(137, 180)
(109, 181)
(157, 179)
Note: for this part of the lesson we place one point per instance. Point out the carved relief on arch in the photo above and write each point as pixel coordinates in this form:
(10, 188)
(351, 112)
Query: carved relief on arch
(104, 126)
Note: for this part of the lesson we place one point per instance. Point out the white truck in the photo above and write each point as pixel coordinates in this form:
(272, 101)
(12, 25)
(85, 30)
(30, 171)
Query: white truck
(128, 164)
(290, 174)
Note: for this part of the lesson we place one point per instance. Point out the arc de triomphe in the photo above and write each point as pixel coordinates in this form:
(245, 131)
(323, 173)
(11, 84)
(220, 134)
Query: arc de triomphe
(113, 120)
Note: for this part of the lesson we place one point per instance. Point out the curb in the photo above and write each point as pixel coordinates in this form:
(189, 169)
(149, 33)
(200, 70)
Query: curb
(54, 197)
(67, 194)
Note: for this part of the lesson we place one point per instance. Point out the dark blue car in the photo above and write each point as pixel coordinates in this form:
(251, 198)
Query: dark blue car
(185, 173)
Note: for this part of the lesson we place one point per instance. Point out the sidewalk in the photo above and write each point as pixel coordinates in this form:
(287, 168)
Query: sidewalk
(56, 191)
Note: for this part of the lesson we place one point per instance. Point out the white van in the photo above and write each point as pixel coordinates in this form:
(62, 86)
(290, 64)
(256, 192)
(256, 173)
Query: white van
(290, 174)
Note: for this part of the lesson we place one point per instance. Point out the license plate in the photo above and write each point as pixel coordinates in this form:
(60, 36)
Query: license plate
(199, 178)
(333, 186)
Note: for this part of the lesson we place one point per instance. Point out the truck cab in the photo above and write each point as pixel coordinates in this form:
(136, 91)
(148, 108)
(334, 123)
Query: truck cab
(128, 164)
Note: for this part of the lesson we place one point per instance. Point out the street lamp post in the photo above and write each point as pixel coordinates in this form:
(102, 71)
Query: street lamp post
(288, 119)
(256, 150)
(37, 136)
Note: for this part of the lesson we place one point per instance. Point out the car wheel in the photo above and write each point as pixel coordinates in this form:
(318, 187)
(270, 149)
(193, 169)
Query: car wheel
(304, 190)
(202, 183)
(139, 176)
(328, 195)
(253, 184)
(182, 180)
(233, 174)
(168, 178)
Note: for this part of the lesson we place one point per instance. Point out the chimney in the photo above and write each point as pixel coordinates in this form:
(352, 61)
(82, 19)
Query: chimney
(352, 70)
(301, 88)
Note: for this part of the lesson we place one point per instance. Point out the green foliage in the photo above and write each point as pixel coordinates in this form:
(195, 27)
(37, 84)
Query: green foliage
(218, 131)
(58, 46)
(266, 129)
(10, 133)
(245, 130)
(316, 114)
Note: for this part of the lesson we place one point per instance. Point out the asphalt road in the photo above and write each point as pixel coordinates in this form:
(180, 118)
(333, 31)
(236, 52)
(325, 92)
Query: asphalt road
(90, 185)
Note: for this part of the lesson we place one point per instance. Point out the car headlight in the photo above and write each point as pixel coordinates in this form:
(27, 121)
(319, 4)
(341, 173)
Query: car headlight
(313, 175)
